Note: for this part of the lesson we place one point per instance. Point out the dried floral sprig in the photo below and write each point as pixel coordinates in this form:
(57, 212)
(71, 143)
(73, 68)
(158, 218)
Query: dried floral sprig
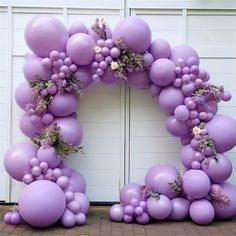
(148, 192)
(220, 197)
(99, 27)
(210, 91)
(128, 61)
(177, 184)
(51, 136)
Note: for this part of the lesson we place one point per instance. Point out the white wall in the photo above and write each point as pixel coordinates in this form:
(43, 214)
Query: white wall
(124, 128)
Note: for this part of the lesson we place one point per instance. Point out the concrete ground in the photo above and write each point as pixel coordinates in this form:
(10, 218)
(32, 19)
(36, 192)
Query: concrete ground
(99, 223)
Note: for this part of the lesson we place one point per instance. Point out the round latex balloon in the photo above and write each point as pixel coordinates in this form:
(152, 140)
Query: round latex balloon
(44, 34)
(160, 48)
(78, 27)
(139, 80)
(83, 74)
(116, 212)
(180, 209)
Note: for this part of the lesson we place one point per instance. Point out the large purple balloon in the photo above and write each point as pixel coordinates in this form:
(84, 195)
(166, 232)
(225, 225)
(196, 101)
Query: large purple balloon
(177, 128)
(70, 130)
(77, 182)
(202, 212)
(180, 208)
(160, 178)
(135, 32)
(80, 48)
(159, 209)
(83, 200)
(196, 184)
(63, 104)
(17, 159)
(33, 69)
(162, 72)
(219, 170)
(139, 79)
(116, 212)
(170, 98)
(187, 156)
(184, 52)
(129, 192)
(28, 128)
(42, 203)
(83, 74)
(228, 210)
(44, 34)
(222, 130)
(23, 95)
(160, 48)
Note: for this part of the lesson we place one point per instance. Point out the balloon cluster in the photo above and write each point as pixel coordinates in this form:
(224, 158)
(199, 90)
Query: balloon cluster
(65, 62)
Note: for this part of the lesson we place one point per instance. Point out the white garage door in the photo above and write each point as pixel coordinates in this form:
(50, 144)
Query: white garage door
(124, 128)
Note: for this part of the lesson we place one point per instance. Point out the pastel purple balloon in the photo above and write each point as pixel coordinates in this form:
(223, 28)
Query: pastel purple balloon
(23, 95)
(116, 212)
(177, 128)
(184, 52)
(63, 104)
(83, 74)
(80, 48)
(33, 69)
(109, 78)
(196, 184)
(181, 113)
(96, 36)
(70, 130)
(139, 80)
(78, 27)
(154, 90)
(160, 48)
(15, 218)
(159, 209)
(218, 170)
(187, 156)
(73, 206)
(77, 181)
(80, 219)
(17, 159)
(44, 34)
(180, 208)
(222, 130)
(143, 219)
(135, 32)
(41, 203)
(6, 217)
(228, 210)
(170, 98)
(49, 155)
(162, 72)
(159, 177)
(202, 212)
(129, 192)
(68, 219)
(83, 201)
(63, 182)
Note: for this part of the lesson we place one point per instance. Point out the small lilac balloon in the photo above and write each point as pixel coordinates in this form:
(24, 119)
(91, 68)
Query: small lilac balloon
(68, 219)
(109, 78)
(23, 95)
(80, 218)
(78, 27)
(177, 128)
(44, 34)
(218, 169)
(196, 184)
(139, 80)
(138, 211)
(83, 200)
(161, 177)
(17, 159)
(162, 72)
(63, 182)
(83, 74)
(202, 212)
(129, 192)
(128, 219)
(187, 156)
(73, 206)
(36, 171)
(154, 90)
(222, 130)
(160, 48)
(47, 119)
(180, 209)
(143, 219)
(170, 98)
(181, 113)
(28, 178)
(28, 128)
(7, 217)
(69, 196)
(63, 104)
(116, 212)
(15, 218)
(139, 37)
(41, 203)
(159, 209)
(70, 130)
(184, 52)
(227, 209)
(147, 59)
(186, 140)
(80, 48)
(77, 181)
(49, 155)
(129, 210)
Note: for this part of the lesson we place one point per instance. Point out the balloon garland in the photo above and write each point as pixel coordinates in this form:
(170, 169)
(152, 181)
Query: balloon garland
(65, 62)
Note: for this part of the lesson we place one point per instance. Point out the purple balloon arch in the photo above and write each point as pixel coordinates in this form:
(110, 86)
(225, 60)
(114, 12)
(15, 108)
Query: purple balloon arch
(64, 63)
